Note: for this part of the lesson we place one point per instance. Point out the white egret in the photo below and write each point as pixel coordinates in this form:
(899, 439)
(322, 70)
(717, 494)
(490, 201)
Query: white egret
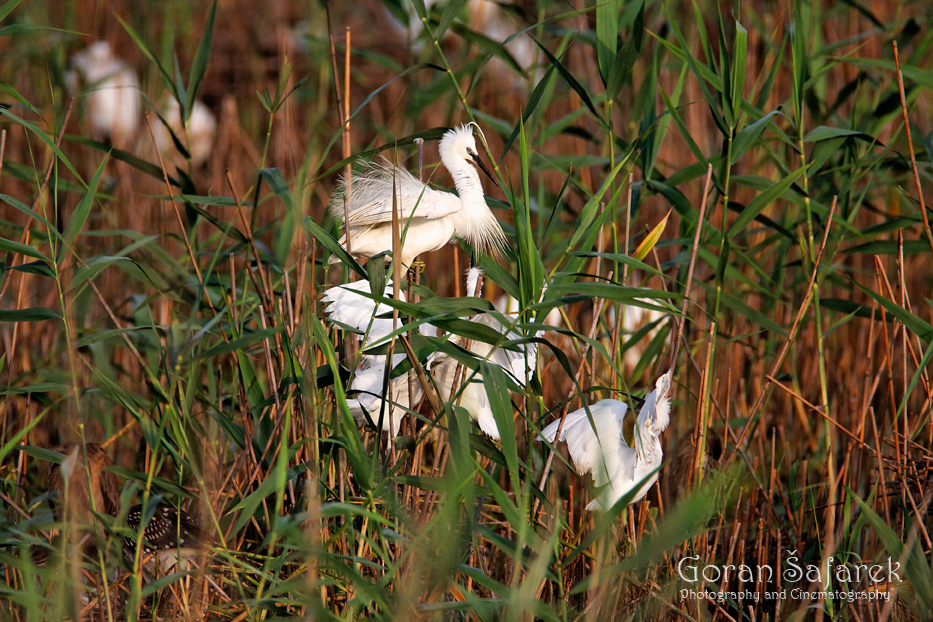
(596, 445)
(473, 396)
(345, 305)
(113, 100)
(202, 130)
(432, 217)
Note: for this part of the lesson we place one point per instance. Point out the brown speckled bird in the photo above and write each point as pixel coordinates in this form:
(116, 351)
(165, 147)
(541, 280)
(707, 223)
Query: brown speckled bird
(171, 537)
(171, 540)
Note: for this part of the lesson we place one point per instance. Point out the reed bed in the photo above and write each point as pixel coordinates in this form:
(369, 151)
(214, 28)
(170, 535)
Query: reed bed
(170, 310)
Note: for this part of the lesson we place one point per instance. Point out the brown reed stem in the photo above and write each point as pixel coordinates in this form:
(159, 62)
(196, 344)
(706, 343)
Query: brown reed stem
(910, 148)
(693, 258)
(759, 401)
(566, 407)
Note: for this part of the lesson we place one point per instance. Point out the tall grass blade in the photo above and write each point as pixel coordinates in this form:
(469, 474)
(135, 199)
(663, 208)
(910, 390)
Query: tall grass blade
(199, 64)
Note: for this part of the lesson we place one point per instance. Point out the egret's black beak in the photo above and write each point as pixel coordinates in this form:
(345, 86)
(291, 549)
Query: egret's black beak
(478, 162)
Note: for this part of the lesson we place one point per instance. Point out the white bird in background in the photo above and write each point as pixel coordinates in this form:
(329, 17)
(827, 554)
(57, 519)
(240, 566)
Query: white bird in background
(345, 305)
(634, 319)
(520, 364)
(494, 20)
(432, 217)
(202, 130)
(596, 445)
(113, 99)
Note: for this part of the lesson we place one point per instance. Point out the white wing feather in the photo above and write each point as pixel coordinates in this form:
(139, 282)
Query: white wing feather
(371, 196)
(345, 305)
(595, 446)
(473, 397)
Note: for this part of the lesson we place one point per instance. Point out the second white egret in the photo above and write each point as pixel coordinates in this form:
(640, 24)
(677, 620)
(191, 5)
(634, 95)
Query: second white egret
(596, 445)
(114, 102)
(201, 134)
(518, 363)
(347, 305)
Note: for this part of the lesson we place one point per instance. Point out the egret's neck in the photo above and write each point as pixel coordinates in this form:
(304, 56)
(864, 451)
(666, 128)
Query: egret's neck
(648, 446)
(475, 222)
(466, 180)
(652, 421)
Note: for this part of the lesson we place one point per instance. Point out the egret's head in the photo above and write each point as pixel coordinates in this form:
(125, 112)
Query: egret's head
(95, 55)
(459, 144)
(663, 384)
(663, 403)
(99, 51)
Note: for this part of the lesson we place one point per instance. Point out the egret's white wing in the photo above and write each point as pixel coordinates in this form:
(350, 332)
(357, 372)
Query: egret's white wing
(476, 401)
(596, 446)
(371, 196)
(656, 412)
(345, 305)
(653, 419)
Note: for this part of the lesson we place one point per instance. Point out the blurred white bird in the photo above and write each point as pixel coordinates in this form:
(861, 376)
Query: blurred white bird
(494, 20)
(202, 130)
(345, 305)
(113, 99)
(596, 445)
(432, 217)
(635, 318)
